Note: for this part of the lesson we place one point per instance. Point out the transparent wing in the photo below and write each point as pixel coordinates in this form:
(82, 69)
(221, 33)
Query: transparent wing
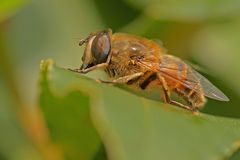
(209, 89)
(177, 71)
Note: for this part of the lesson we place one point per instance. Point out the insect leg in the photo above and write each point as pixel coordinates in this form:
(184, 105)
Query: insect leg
(78, 70)
(123, 79)
(101, 65)
(168, 99)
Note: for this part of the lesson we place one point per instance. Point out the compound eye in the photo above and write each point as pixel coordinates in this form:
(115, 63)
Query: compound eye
(101, 48)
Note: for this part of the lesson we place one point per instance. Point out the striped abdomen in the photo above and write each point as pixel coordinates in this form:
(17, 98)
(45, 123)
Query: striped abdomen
(194, 97)
(180, 78)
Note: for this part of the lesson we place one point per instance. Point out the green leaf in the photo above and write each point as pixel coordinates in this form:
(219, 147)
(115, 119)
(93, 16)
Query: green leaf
(132, 127)
(68, 119)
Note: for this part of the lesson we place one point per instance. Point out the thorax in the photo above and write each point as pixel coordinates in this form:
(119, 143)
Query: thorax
(126, 50)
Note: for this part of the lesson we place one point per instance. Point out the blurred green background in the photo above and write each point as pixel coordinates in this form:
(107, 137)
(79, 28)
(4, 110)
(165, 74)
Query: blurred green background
(203, 32)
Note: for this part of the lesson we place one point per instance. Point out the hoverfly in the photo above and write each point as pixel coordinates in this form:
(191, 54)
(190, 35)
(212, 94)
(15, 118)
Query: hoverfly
(141, 63)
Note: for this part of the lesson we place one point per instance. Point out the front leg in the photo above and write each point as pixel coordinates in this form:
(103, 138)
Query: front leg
(101, 65)
(123, 79)
(78, 70)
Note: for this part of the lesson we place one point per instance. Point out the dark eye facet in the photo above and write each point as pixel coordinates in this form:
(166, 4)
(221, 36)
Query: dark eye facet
(101, 48)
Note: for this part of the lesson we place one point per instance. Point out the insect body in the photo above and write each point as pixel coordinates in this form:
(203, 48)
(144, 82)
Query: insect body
(142, 64)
